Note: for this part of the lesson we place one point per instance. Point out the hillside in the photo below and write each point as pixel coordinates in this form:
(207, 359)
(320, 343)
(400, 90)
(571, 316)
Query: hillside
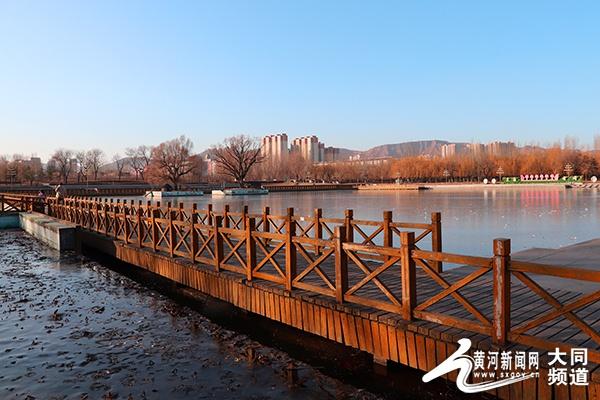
(399, 150)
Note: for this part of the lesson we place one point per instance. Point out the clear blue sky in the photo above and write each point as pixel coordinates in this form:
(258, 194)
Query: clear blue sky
(109, 74)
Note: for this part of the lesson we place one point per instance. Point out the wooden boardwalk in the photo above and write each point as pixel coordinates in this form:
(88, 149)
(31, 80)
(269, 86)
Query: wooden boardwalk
(366, 284)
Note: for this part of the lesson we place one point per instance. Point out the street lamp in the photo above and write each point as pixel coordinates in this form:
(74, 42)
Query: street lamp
(500, 172)
(569, 169)
(446, 174)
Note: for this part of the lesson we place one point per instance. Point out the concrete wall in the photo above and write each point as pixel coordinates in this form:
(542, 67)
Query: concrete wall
(58, 235)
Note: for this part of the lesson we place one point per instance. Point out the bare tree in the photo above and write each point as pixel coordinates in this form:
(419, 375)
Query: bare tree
(95, 158)
(236, 156)
(82, 165)
(29, 174)
(139, 159)
(119, 164)
(62, 162)
(173, 160)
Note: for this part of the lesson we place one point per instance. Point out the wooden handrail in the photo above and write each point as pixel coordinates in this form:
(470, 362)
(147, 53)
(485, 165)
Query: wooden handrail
(580, 274)
(471, 261)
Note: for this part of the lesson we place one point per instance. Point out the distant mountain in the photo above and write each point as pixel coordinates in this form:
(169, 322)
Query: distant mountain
(406, 149)
(399, 150)
(112, 166)
(344, 154)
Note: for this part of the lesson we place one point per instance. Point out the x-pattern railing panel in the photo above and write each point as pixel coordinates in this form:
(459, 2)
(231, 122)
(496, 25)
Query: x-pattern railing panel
(147, 232)
(163, 232)
(269, 246)
(576, 310)
(206, 236)
(368, 234)
(233, 240)
(371, 274)
(277, 224)
(305, 227)
(133, 227)
(182, 238)
(452, 289)
(328, 225)
(319, 265)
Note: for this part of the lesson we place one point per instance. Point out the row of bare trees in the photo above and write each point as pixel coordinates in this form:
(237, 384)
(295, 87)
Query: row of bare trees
(83, 164)
(239, 159)
(468, 167)
(171, 162)
(523, 162)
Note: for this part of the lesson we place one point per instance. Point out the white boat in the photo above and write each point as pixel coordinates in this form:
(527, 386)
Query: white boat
(239, 192)
(174, 193)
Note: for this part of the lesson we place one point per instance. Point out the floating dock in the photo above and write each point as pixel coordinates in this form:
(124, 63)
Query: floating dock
(392, 186)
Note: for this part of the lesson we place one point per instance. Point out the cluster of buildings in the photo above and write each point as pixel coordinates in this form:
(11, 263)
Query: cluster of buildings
(277, 149)
(21, 169)
(477, 149)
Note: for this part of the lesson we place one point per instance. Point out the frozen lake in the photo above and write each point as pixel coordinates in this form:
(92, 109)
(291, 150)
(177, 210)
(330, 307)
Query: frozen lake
(532, 216)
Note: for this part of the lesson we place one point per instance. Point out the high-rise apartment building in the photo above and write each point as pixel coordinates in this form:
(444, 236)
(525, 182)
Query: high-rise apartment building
(310, 148)
(331, 154)
(449, 150)
(275, 147)
(501, 148)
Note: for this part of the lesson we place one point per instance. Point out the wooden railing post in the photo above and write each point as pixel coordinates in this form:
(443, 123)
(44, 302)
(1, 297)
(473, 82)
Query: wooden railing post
(290, 249)
(218, 241)
(408, 274)
(193, 232)
(388, 239)
(106, 218)
(153, 213)
(348, 217)
(172, 236)
(266, 224)
(436, 238)
(250, 248)
(97, 216)
(265, 217)
(180, 210)
(244, 215)
(501, 282)
(76, 211)
(126, 227)
(226, 216)
(140, 226)
(209, 214)
(318, 228)
(341, 264)
(90, 214)
(115, 218)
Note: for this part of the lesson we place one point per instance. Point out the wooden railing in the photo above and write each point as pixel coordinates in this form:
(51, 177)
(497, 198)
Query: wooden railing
(583, 324)
(17, 202)
(359, 262)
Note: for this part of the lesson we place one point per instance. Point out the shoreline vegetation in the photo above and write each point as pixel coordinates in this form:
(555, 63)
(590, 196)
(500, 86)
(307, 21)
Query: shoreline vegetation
(241, 161)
